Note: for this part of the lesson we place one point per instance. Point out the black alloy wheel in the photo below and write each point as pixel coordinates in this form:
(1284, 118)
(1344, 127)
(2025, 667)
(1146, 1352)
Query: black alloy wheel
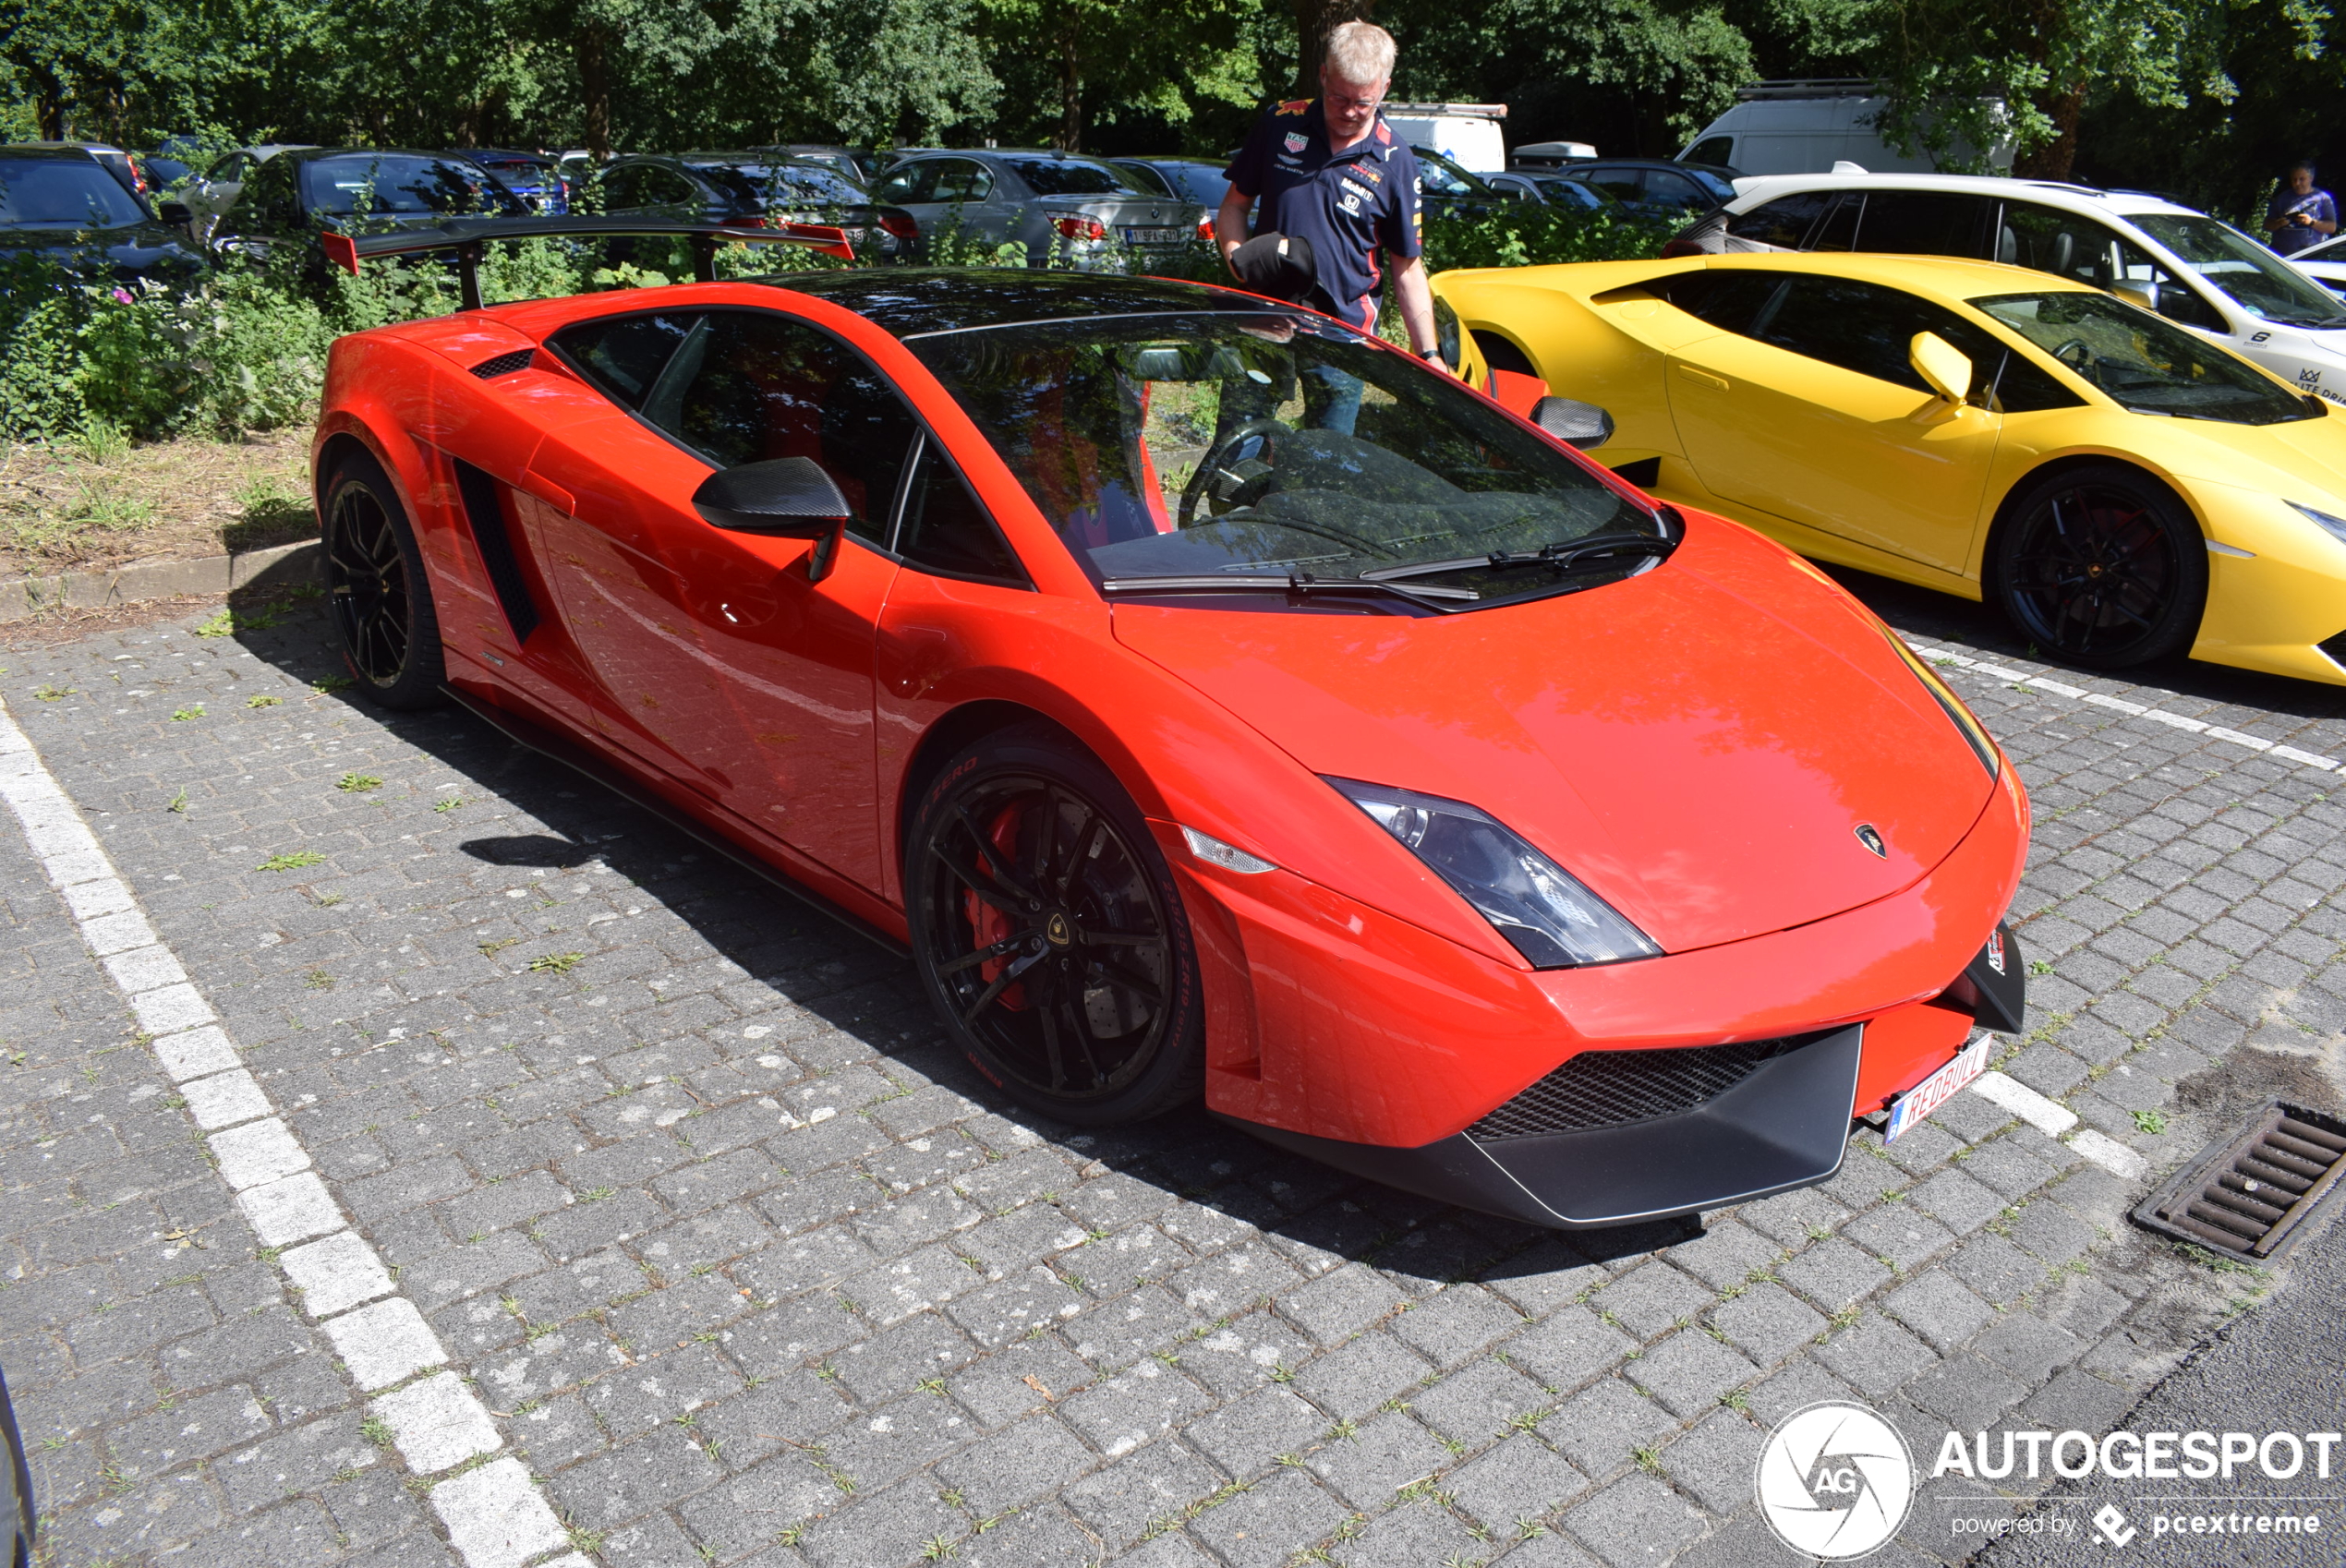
(380, 600)
(2102, 567)
(1050, 933)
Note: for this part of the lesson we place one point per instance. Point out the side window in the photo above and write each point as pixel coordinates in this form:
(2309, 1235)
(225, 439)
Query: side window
(916, 183)
(1731, 300)
(1838, 229)
(946, 530)
(617, 190)
(622, 356)
(1622, 185)
(2046, 239)
(957, 179)
(2141, 280)
(1919, 222)
(661, 186)
(1718, 149)
(266, 201)
(746, 386)
(1863, 328)
(1675, 189)
(1784, 222)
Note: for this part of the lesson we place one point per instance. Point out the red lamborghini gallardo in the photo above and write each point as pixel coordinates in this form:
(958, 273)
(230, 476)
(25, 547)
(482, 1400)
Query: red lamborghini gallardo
(1213, 700)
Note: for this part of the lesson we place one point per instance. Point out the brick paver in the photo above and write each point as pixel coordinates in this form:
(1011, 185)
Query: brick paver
(747, 1267)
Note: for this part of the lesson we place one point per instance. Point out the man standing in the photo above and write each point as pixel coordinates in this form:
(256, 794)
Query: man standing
(1330, 171)
(2302, 216)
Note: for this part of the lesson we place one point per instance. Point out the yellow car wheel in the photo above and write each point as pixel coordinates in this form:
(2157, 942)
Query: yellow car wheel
(2102, 566)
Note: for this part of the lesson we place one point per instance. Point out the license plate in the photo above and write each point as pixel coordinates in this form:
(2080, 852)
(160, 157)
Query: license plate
(1152, 236)
(1938, 1088)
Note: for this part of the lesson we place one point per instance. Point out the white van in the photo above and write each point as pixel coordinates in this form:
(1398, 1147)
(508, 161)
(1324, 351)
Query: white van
(1467, 134)
(1807, 126)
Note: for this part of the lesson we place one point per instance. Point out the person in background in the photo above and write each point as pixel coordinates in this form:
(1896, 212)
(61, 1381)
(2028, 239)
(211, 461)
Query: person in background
(1330, 171)
(2302, 216)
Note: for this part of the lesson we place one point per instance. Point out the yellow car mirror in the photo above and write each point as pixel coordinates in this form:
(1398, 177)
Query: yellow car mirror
(1942, 364)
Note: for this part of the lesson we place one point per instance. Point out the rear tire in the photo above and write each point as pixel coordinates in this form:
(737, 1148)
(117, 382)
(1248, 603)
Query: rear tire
(1050, 934)
(380, 599)
(2103, 567)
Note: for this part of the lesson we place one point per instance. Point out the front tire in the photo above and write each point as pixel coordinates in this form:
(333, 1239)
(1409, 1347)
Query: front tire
(380, 600)
(2103, 567)
(1049, 932)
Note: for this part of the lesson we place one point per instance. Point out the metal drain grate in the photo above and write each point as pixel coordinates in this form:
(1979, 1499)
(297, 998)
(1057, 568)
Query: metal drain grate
(2252, 1197)
(1615, 1088)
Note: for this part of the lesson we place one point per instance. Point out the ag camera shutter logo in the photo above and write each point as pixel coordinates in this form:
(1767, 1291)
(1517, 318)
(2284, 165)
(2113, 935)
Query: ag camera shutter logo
(1834, 1481)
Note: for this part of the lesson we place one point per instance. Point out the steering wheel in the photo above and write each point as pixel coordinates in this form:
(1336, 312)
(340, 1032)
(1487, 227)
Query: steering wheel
(1211, 465)
(2085, 354)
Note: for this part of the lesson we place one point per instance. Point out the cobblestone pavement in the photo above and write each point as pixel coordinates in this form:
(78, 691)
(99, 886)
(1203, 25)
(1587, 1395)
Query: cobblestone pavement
(689, 1227)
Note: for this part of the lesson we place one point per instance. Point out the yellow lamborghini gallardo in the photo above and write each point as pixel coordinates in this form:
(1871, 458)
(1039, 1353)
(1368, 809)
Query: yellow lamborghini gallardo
(2119, 485)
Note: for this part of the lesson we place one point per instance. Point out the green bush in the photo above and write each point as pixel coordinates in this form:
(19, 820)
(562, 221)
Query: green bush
(1530, 235)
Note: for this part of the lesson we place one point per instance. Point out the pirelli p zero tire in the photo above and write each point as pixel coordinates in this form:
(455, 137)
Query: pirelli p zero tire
(380, 601)
(2102, 566)
(1048, 928)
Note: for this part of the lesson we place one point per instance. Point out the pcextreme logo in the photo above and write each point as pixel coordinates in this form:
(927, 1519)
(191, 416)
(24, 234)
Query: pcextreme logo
(1834, 1481)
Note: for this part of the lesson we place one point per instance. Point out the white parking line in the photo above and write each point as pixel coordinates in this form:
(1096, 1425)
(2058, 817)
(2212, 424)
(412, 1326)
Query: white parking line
(494, 1514)
(2133, 710)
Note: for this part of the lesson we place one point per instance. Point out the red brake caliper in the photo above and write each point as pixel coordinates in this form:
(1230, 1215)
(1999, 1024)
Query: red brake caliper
(989, 924)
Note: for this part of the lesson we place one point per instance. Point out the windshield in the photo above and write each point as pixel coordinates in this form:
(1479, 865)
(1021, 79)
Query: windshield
(63, 193)
(2143, 363)
(1270, 445)
(391, 182)
(1057, 176)
(791, 182)
(1444, 178)
(2258, 281)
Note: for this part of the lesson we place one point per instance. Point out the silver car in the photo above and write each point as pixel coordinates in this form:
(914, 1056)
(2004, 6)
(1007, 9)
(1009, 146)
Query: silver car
(213, 193)
(1091, 214)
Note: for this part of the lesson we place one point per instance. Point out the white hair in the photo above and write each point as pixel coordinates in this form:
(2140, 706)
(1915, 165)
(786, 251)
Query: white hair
(1360, 53)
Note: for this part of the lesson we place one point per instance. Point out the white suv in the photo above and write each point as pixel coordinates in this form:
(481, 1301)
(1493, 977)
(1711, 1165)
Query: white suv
(2185, 265)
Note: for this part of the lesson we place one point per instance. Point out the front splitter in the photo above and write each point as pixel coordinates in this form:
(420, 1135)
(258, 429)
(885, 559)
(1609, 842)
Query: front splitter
(1784, 1126)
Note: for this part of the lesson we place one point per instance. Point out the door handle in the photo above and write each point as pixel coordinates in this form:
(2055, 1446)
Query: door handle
(1703, 377)
(552, 495)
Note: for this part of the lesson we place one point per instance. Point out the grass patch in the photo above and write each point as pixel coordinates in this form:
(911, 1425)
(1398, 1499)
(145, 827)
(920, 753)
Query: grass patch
(556, 963)
(294, 862)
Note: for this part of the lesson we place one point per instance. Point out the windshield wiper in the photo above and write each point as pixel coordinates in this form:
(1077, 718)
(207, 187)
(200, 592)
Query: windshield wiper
(1565, 555)
(1301, 583)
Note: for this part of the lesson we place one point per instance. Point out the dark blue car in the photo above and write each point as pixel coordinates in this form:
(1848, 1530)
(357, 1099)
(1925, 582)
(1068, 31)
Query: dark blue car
(63, 203)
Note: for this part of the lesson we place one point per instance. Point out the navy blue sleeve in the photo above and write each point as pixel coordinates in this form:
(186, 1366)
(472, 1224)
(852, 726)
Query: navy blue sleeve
(1254, 161)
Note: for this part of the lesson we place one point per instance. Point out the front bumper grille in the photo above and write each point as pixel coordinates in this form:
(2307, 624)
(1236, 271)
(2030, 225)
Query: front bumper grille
(1601, 1088)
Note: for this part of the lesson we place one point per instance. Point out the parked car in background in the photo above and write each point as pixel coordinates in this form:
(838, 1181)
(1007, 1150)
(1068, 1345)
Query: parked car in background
(1657, 187)
(1446, 189)
(215, 193)
(2190, 268)
(292, 196)
(858, 163)
(2325, 264)
(1551, 154)
(171, 164)
(107, 156)
(1087, 209)
(1184, 180)
(733, 187)
(535, 177)
(1808, 125)
(22, 1525)
(61, 203)
(1550, 190)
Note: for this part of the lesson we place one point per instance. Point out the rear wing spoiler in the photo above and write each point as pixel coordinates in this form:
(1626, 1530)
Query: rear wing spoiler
(469, 237)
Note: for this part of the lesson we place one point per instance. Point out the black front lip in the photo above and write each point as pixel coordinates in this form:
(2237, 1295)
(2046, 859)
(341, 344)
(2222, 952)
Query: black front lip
(1785, 1126)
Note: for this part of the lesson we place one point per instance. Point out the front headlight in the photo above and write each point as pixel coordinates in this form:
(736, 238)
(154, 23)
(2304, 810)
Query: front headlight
(1537, 905)
(2334, 527)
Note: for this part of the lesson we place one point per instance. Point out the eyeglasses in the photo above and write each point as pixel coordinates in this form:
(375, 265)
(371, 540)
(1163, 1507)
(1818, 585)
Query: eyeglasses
(1340, 101)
